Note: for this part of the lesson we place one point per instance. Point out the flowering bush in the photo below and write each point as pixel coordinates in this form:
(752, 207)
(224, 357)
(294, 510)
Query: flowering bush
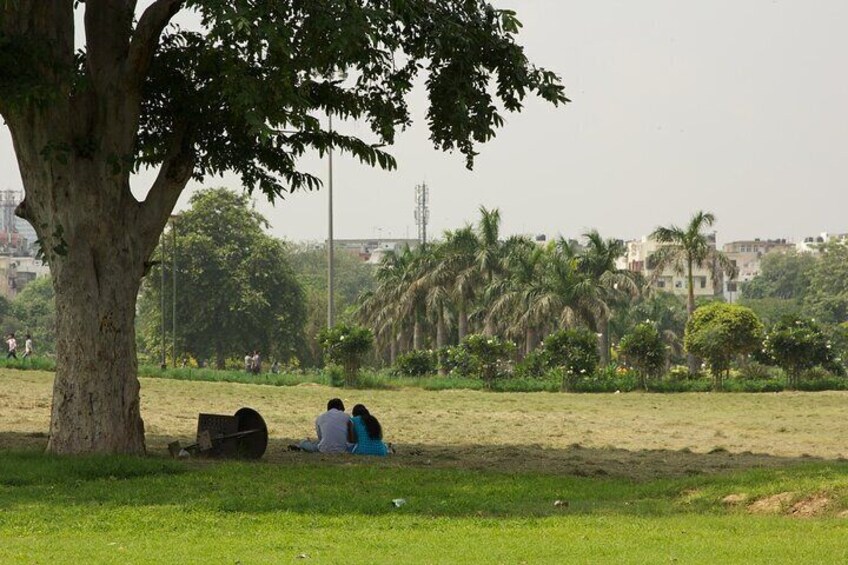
(644, 350)
(416, 363)
(346, 346)
(796, 346)
(574, 353)
(457, 361)
(489, 354)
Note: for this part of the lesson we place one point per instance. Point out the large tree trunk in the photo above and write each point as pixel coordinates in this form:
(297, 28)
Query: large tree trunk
(75, 145)
(96, 390)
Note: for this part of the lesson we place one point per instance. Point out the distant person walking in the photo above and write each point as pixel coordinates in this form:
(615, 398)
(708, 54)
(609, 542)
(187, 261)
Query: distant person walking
(28, 346)
(12, 343)
(248, 362)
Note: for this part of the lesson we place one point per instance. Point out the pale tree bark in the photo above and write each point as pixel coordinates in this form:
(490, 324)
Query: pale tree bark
(462, 321)
(417, 334)
(441, 332)
(393, 348)
(691, 360)
(74, 155)
(604, 341)
(531, 339)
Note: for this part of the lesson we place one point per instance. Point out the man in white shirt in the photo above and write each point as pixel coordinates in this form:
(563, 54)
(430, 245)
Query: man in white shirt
(12, 343)
(331, 427)
(28, 346)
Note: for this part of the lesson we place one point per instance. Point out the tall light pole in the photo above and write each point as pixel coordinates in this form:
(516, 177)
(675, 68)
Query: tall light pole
(162, 293)
(174, 288)
(330, 273)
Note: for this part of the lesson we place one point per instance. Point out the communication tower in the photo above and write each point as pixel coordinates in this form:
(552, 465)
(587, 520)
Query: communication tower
(422, 211)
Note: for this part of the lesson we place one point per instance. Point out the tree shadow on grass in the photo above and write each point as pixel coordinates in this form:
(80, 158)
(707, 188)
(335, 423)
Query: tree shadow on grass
(451, 481)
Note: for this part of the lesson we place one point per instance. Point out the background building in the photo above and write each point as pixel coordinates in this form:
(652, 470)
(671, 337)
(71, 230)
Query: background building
(637, 259)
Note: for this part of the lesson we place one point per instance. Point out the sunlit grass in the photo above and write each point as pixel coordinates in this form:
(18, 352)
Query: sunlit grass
(107, 509)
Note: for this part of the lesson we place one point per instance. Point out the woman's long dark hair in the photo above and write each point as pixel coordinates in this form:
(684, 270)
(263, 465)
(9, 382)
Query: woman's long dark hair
(372, 425)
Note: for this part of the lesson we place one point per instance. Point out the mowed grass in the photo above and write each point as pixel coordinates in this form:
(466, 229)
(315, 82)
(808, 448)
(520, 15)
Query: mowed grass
(640, 479)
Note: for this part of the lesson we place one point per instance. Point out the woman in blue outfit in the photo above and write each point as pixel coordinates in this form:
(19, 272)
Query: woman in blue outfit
(365, 432)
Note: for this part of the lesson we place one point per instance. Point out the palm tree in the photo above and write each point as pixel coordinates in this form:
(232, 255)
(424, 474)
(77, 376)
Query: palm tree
(683, 250)
(609, 284)
(414, 291)
(385, 311)
(489, 255)
(514, 297)
(557, 297)
(454, 275)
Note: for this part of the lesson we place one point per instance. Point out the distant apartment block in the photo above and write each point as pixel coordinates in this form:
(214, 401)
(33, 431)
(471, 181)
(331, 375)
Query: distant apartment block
(372, 250)
(17, 272)
(638, 259)
(747, 255)
(812, 244)
(18, 248)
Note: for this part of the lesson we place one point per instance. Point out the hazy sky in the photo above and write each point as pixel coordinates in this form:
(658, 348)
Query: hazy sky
(733, 107)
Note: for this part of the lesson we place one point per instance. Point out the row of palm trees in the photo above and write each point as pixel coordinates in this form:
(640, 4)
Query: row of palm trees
(473, 281)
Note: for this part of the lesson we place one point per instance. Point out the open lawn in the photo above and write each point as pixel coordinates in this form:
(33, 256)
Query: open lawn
(640, 478)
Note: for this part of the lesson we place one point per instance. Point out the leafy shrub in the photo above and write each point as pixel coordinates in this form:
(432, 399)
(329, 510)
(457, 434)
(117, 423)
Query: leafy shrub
(458, 361)
(574, 352)
(797, 345)
(606, 379)
(334, 374)
(718, 332)
(346, 345)
(490, 353)
(416, 363)
(643, 348)
(819, 378)
(533, 366)
(680, 373)
(754, 371)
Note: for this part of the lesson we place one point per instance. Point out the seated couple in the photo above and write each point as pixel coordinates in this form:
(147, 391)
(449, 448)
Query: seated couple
(360, 434)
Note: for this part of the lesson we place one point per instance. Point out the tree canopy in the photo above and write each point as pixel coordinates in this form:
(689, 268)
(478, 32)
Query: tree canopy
(826, 299)
(782, 275)
(236, 289)
(243, 91)
(718, 332)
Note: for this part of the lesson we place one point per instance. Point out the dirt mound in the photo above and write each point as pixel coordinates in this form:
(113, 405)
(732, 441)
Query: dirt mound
(734, 499)
(813, 505)
(775, 504)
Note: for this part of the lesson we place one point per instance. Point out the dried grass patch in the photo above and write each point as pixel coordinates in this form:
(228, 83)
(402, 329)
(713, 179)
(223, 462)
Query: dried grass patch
(774, 504)
(639, 436)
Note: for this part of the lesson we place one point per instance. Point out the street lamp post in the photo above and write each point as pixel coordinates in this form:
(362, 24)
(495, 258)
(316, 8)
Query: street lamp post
(330, 268)
(162, 293)
(174, 288)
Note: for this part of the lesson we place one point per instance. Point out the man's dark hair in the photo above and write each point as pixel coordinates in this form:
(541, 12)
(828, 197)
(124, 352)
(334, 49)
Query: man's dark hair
(335, 403)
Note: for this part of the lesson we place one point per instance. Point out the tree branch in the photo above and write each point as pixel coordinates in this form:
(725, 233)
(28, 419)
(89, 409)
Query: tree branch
(174, 174)
(108, 25)
(146, 37)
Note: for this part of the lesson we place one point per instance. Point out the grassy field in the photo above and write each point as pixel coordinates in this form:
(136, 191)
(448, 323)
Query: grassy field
(698, 478)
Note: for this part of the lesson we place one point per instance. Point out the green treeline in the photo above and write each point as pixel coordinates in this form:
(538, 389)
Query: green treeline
(240, 291)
